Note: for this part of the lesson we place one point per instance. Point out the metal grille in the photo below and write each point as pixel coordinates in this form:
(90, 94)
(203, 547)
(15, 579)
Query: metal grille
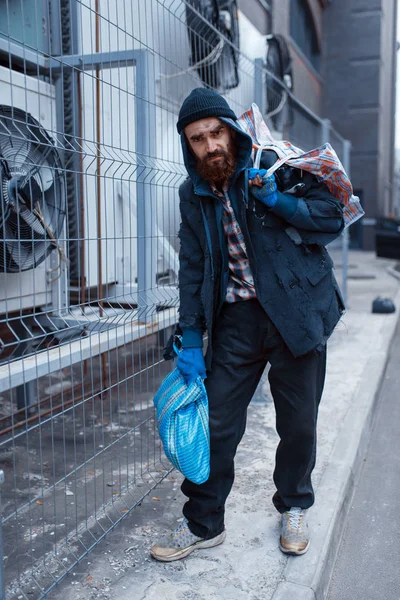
(91, 165)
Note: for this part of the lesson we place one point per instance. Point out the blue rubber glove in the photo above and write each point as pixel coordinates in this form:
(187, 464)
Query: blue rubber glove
(254, 172)
(191, 364)
(267, 194)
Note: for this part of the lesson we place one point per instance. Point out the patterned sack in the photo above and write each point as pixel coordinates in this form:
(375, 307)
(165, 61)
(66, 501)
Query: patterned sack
(323, 162)
(182, 421)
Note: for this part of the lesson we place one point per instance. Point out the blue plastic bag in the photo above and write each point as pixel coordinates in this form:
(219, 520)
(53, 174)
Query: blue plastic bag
(182, 421)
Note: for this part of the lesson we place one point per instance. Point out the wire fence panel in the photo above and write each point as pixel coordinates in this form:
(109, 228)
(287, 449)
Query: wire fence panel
(90, 166)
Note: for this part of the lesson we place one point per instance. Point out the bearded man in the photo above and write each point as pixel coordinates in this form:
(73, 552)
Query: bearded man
(255, 275)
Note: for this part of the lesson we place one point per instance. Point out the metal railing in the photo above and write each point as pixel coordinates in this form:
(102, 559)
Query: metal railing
(91, 165)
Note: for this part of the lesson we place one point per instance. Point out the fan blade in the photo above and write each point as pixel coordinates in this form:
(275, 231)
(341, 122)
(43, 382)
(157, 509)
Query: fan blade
(4, 213)
(4, 166)
(18, 253)
(24, 190)
(45, 177)
(47, 214)
(31, 220)
(14, 148)
(37, 164)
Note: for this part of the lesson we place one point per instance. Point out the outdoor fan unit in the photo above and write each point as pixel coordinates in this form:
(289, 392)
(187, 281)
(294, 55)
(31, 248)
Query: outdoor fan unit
(32, 200)
(279, 63)
(216, 60)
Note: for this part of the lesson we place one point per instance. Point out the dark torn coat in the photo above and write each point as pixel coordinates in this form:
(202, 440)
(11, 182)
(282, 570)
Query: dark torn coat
(292, 270)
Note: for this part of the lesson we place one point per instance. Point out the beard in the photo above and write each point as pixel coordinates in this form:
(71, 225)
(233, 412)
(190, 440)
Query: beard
(218, 170)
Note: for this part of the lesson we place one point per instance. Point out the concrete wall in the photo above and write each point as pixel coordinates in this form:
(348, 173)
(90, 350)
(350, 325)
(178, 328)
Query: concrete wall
(254, 11)
(387, 191)
(358, 95)
(307, 82)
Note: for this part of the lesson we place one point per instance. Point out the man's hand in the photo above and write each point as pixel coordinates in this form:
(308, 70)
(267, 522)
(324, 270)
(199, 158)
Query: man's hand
(191, 364)
(263, 188)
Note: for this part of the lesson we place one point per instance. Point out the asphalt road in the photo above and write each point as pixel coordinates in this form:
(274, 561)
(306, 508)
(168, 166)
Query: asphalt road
(368, 566)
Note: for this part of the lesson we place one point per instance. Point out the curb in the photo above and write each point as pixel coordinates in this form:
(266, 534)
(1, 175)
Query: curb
(308, 577)
(393, 272)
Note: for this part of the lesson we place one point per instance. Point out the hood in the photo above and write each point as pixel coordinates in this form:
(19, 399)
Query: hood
(244, 148)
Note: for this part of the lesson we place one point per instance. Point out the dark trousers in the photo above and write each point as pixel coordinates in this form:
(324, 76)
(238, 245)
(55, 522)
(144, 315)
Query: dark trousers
(245, 341)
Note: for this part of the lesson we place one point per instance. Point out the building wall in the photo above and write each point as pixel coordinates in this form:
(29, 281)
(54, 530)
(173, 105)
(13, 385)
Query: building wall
(354, 88)
(386, 187)
(358, 95)
(307, 82)
(317, 9)
(256, 13)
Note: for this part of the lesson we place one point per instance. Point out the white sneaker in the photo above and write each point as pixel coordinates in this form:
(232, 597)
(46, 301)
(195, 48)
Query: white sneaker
(182, 542)
(295, 537)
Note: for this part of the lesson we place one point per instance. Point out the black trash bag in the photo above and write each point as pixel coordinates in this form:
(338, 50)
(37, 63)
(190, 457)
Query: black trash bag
(288, 179)
(383, 306)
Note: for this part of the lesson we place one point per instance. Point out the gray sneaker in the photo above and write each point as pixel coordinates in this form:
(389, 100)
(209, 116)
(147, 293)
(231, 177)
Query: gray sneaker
(182, 542)
(295, 537)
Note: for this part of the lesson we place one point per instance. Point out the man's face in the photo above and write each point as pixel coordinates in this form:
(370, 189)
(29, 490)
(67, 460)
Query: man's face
(211, 142)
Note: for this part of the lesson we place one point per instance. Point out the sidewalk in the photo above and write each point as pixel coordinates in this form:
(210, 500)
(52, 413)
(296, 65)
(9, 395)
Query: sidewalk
(249, 565)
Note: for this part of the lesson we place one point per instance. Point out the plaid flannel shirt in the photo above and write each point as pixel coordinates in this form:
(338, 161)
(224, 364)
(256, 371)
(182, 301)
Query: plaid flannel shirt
(241, 282)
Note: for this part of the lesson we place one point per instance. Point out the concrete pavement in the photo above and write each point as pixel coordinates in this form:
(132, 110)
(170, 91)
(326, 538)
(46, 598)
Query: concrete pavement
(372, 531)
(249, 565)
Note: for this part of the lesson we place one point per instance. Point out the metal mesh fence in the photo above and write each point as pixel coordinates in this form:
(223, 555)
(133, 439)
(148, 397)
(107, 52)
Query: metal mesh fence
(90, 166)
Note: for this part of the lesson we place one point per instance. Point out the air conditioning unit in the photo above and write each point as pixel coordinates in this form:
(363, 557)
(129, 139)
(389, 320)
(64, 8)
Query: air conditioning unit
(35, 188)
(216, 61)
(117, 196)
(32, 200)
(279, 63)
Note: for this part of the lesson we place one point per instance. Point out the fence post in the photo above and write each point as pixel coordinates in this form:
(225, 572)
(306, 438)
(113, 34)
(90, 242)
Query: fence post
(59, 285)
(2, 582)
(259, 88)
(146, 216)
(345, 240)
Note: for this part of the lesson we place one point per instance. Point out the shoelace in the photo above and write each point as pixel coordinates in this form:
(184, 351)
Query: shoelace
(179, 529)
(295, 517)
